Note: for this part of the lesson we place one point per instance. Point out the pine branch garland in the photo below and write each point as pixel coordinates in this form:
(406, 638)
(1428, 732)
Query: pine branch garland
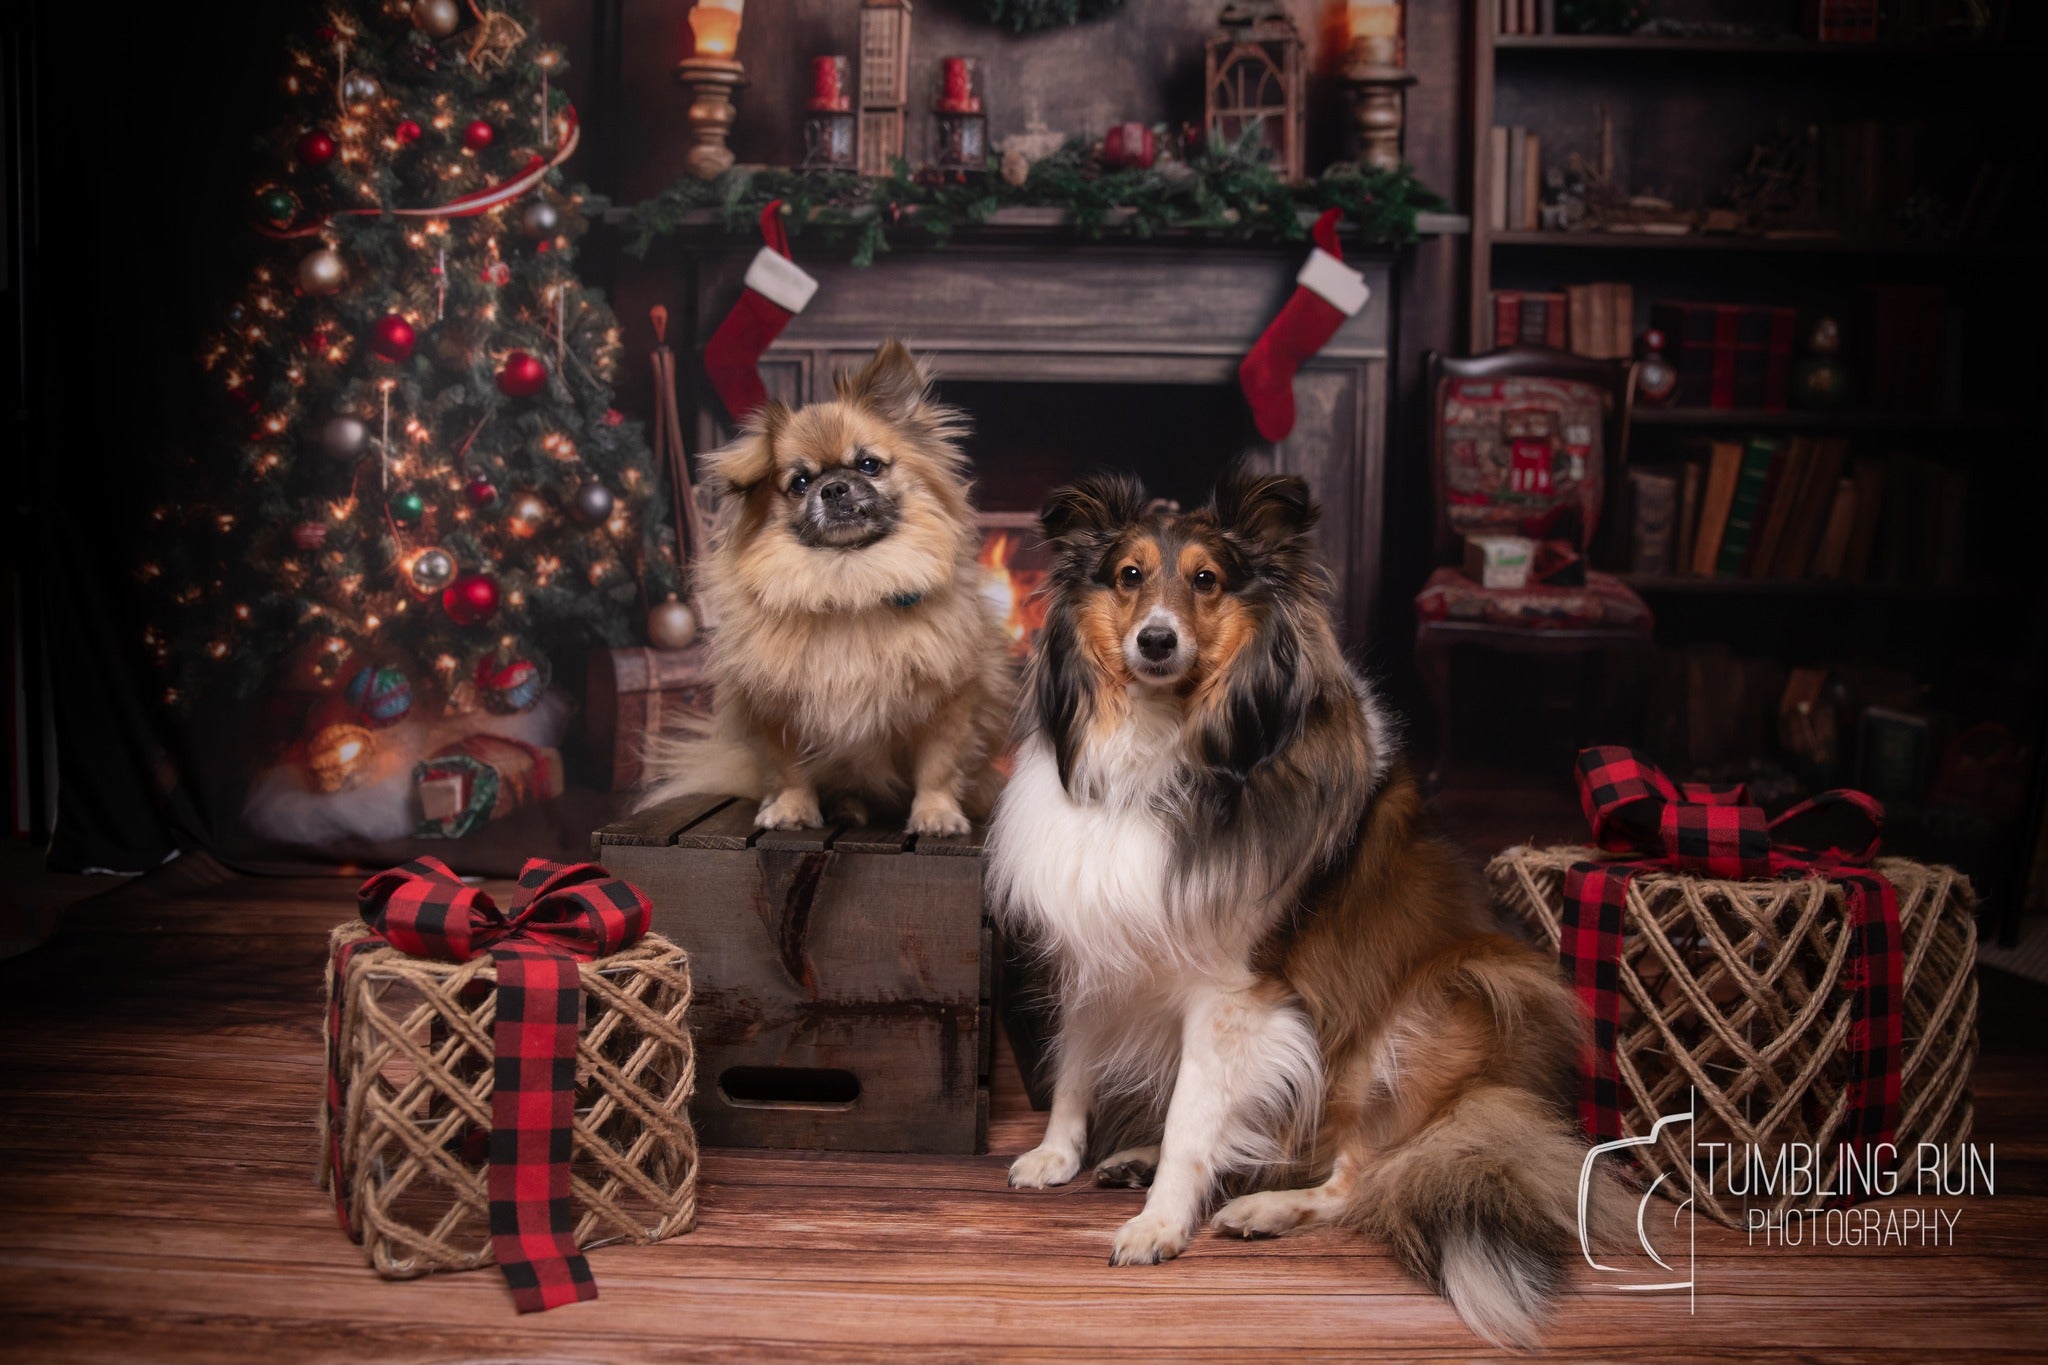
(1224, 190)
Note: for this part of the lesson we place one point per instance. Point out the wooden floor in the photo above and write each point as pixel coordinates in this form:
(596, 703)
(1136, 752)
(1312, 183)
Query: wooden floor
(160, 1066)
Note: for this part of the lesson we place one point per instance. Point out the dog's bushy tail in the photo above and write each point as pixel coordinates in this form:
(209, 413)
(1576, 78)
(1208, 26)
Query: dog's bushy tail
(696, 757)
(1482, 1205)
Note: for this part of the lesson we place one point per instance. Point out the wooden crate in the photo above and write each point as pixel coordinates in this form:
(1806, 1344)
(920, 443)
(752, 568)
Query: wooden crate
(632, 694)
(844, 977)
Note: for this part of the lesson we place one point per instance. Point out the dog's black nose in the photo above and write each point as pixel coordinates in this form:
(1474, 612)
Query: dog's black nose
(835, 491)
(1157, 642)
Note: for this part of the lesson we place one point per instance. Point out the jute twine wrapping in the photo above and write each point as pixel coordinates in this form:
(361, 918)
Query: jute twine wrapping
(416, 1055)
(1735, 991)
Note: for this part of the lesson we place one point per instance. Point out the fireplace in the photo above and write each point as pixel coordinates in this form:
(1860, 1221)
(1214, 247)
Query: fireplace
(1074, 355)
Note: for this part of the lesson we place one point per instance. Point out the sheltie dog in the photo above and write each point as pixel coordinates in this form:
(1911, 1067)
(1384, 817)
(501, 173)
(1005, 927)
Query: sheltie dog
(858, 663)
(1269, 970)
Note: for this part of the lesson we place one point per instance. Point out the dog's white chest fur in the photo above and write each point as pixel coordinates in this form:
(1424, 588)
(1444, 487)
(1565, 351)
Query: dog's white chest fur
(1090, 876)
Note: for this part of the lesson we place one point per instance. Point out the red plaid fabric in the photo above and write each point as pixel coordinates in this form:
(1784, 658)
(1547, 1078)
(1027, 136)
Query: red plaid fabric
(565, 914)
(1634, 809)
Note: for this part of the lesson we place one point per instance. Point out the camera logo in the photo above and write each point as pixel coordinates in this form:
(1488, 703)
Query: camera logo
(1681, 1207)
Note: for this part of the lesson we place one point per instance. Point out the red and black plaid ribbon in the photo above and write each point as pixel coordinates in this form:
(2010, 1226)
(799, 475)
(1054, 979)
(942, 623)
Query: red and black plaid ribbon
(565, 914)
(1715, 832)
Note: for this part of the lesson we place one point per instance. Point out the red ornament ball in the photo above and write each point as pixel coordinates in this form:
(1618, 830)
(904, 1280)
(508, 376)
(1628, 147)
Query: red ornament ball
(477, 136)
(523, 376)
(392, 337)
(480, 492)
(1128, 146)
(406, 133)
(471, 599)
(316, 148)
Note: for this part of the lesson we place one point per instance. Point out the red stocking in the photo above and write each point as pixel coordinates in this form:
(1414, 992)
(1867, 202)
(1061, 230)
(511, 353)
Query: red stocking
(776, 291)
(1327, 292)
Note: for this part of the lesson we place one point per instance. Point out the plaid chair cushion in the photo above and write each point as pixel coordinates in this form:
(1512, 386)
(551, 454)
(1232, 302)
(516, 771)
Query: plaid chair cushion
(1605, 602)
(1523, 456)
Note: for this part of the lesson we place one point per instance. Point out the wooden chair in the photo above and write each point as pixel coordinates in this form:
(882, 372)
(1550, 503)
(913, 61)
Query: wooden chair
(1526, 441)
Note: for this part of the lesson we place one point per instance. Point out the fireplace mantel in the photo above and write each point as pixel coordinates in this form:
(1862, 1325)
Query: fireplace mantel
(1045, 308)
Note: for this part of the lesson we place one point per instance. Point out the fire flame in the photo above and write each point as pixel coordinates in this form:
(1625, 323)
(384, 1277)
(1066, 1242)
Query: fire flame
(1015, 592)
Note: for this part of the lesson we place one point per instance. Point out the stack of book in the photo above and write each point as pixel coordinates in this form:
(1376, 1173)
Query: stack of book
(1515, 174)
(1525, 16)
(1525, 318)
(1596, 320)
(1842, 21)
(1800, 509)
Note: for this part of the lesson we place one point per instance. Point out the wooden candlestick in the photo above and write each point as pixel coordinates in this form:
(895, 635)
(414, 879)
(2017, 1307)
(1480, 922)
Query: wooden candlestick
(713, 83)
(1378, 84)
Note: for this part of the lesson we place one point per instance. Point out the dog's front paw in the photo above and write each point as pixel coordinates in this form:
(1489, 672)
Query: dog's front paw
(1130, 1169)
(1148, 1239)
(1266, 1214)
(790, 810)
(1043, 1167)
(936, 813)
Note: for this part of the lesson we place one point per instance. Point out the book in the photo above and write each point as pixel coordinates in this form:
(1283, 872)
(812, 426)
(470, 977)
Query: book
(1896, 524)
(1518, 148)
(1577, 306)
(1833, 550)
(1857, 562)
(1507, 317)
(1809, 514)
(1546, 18)
(1653, 516)
(1742, 509)
(1532, 182)
(1769, 508)
(1535, 319)
(1688, 515)
(1598, 324)
(1724, 467)
(1497, 178)
(1621, 311)
(1951, 540)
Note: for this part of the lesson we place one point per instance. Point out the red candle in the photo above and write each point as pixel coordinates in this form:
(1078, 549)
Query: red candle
(828, 85)
(959, 96)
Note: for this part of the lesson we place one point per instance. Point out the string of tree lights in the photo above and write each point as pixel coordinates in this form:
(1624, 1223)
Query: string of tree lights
(427, 493)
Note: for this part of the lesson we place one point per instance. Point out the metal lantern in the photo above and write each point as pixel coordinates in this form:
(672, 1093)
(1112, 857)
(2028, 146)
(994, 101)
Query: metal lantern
(828, 116)
(959, 124)
(1255, 79)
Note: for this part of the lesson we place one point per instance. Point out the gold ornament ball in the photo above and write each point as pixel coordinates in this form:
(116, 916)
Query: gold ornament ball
(437, 18)
(671, 625)
(526, 514)
(323, 272)
(338, 755)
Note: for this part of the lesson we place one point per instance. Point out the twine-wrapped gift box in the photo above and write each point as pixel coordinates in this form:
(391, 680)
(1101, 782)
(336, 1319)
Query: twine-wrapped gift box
(414, 1057)
(1742, 993)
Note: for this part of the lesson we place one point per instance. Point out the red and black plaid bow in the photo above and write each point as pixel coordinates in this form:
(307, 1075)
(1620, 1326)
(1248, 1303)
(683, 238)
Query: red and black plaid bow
(565, 914)
(1715, 832)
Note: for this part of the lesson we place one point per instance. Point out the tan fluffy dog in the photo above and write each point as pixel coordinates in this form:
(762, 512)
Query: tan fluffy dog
(856, 658)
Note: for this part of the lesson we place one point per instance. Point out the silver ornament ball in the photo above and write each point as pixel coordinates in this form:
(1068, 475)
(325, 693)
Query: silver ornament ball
(343, 437)
(359, 87)
(432, 569)
(437, 18)
(540, 219)
(323, 272)
(593, 502)
(671, 625)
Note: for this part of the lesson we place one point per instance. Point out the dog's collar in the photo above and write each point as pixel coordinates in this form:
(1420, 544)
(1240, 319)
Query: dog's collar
(906, 600)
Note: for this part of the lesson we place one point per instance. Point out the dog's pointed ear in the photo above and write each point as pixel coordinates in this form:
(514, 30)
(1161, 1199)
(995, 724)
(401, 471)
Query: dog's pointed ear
(1271, 510)
(893, 386)
(1100, 502)
(737, 468)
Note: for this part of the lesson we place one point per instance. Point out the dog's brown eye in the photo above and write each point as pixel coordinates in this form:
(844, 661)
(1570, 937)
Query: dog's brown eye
(1204, 580)
(869, 465)
(799, 483)
(1130, 576)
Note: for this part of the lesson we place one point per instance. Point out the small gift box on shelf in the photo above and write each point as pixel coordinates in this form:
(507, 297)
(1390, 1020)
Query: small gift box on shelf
(470, 1117)
(1809, 1003)
(846, 975)
(635, 693)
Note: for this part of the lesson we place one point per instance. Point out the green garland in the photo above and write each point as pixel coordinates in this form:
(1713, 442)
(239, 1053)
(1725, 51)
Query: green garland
(1224, 190)
(1029, 16)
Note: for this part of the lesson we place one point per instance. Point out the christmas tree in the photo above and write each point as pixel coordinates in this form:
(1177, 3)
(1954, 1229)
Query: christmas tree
(427, 494)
